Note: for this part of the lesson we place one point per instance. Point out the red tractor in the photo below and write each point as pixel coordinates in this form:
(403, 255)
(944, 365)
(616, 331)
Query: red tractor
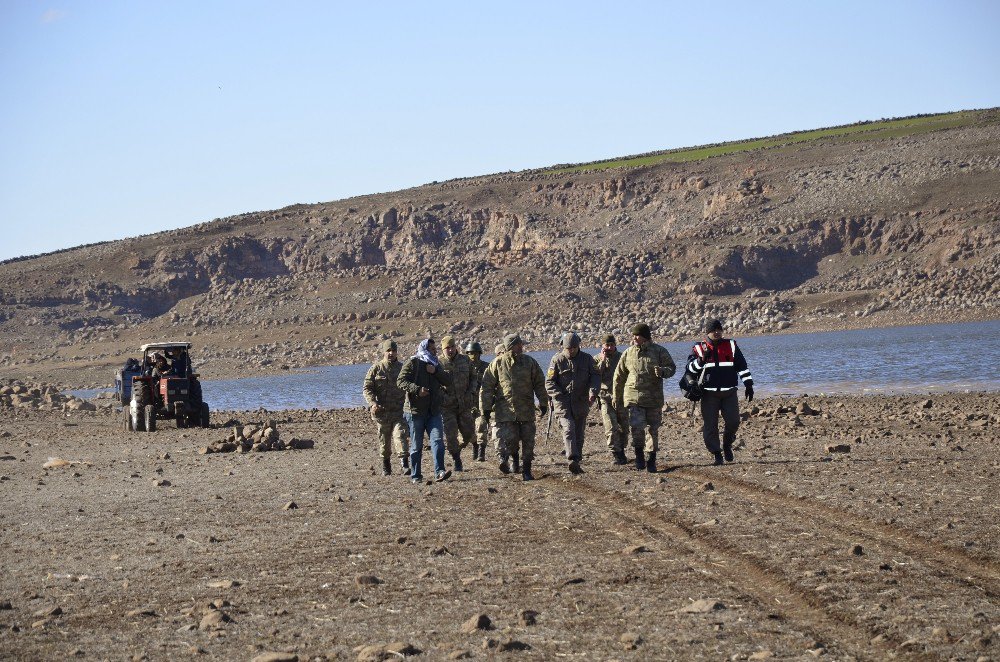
(163, 387)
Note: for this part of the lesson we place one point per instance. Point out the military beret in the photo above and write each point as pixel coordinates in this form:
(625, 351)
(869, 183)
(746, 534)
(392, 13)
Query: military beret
(510, 340)
(449, 341)
(387, 346)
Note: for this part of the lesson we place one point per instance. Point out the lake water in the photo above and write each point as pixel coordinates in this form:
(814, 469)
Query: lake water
(915, 359)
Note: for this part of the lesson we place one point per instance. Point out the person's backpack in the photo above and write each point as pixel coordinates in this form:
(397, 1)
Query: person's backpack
(691, 386)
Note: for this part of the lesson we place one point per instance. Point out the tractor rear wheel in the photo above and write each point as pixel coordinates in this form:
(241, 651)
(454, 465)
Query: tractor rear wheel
(204, 415)
(149, 418)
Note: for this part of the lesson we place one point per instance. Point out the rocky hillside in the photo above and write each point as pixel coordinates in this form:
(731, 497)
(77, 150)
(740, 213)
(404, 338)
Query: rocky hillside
(871, 226)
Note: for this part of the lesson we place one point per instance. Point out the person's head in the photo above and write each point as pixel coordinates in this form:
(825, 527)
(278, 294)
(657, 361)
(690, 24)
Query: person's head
(713, 331)
(388, 349)
(498, 350)
(571, 344)
(450, 346)
(609, 343)
(427, 344)
(160, 360)
(512, 343)
(641, 334)
(475, 350)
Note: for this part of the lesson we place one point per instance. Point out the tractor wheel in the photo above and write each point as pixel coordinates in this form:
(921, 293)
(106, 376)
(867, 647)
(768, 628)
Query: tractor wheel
(127, 417)
(204, 415)
(181, 419)
(142, 394)
(149, 418)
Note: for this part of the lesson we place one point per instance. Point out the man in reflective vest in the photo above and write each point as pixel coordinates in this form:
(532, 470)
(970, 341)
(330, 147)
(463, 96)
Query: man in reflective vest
(724, 366)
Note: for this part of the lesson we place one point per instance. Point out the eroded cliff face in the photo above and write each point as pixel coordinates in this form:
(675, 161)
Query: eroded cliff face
(907, 225)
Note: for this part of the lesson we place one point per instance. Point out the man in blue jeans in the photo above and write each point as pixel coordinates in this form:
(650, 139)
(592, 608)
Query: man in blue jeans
(422, 380)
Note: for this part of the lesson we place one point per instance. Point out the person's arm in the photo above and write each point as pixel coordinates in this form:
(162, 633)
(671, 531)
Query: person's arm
(594, 380)
(552, 387)
(695, 362)
(407, 380)
(618, 381)
(487, 394)
(666, 363)
(743, 370)
(371, 397)
(538, 384)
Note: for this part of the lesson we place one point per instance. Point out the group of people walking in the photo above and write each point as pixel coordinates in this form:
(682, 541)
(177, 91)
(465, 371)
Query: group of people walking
(457, 400)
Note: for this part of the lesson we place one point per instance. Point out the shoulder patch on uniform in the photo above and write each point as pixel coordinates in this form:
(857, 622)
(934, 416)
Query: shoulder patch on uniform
(552, 372)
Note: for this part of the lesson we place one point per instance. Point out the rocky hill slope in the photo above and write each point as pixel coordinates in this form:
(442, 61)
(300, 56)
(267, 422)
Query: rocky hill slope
(842, 230)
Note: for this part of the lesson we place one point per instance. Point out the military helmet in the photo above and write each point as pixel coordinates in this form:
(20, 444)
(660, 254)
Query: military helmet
(473, 348)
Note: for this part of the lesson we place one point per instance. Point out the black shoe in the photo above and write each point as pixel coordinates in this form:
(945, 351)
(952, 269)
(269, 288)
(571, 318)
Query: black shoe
(526, 474)
(442, 476)
(458, 461)
(574, 467)
(516, 464)
(416, 479)
(640, 461)
(482, 453)
(718, 460)
(386, 466)
(404, 466)
(504, 466)
(727, 452)
(651, 463)
(475, 450)
(620, 458)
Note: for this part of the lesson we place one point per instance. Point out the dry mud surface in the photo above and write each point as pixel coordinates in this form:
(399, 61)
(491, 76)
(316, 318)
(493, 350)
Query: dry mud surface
(146, 549)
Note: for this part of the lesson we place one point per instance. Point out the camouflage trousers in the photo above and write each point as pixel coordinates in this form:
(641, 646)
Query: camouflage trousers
(645, 425)
(458, 421)
(616, 424)
(513, 438)
(392, 433)
(482, 430)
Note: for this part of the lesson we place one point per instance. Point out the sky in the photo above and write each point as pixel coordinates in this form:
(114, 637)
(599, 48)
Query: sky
(126, 118)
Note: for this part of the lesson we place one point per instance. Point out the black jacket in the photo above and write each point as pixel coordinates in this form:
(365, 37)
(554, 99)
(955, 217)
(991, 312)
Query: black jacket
(413, 377)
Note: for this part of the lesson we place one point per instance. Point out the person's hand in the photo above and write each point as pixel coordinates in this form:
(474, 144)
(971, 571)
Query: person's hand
(377, 409)
(658, 371)
(431, 368)
(749, 392)
(591, 399)
(475, 412)
(424, 392)
(543, 410)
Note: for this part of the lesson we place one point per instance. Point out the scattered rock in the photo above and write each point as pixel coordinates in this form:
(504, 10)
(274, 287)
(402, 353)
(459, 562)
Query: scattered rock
(5, 605)
(528, 617)
(224, 584)
(838, 448)
(276, 657)
(379, 652)
(367, 580)
(476, 623)
(803, 409)
(141, 611)
(703, 606)
(291, 505)
(459, 655)
(50, 612)
(635, 549)
(857, 550)
(513, 645)
(630, 640)
(761, 655)
(213, 620)
(708, 487)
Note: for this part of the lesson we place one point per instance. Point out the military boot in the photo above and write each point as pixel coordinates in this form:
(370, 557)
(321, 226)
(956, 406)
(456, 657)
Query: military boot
(475, 451)
(526, 472)
(516, 463)
(727, 452)
(457, 458)
(386, 466)
(640, 461)
(651, 462)
(574, 467)
(620, 458)
(404, 465)
(504, 465)
(718, 460)
(482, 453)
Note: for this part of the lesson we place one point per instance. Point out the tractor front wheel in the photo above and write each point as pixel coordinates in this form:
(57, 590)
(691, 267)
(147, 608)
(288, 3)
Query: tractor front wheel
(149, 418)
(204, 415)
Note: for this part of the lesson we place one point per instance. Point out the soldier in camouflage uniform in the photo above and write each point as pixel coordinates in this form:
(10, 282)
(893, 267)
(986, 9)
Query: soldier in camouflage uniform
(510, 385)
(615, 420)
(475, 350)
(459, 400)
(385, 399)
(572, 382)
(638, 385)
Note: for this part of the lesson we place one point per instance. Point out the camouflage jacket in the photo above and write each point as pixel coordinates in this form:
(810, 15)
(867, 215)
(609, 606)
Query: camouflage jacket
(478, 370)
(570, 382)
(461, 393)
(606, 368)
(380, 386)
(510, 386)
(635, 382)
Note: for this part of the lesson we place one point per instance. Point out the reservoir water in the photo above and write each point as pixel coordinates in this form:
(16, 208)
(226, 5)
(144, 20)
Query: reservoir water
(915, 359)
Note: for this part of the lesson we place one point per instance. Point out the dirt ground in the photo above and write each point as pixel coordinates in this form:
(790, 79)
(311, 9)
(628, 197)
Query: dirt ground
(143, 548)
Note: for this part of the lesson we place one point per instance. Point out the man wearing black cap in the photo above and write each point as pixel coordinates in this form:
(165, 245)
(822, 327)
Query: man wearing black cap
(385, 400)
(723, 365)
(572, 382)
(615, 420)
(638, 386)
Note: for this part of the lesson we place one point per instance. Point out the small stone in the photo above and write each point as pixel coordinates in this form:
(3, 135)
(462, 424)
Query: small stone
(367, 580)
(857, 550)
(291, 505)
(213, 620)
(635, 549)
(477, 622)
(513, 645)
(704, 606)
(838, 448)
(161, 483)
(276, 657)
(142, 611)
(761, 655)
(5, 605)
(528, 617)
(51, 611)
(941, 634)
(927, 404)
(224, 584)
(459, 655)
(630, 640)
(708, 487)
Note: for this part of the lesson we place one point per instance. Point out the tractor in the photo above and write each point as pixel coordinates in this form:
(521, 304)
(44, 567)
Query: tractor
(161, 385)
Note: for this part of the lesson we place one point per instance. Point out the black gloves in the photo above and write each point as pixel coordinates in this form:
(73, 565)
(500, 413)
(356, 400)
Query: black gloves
(543, 410)
(749, 392)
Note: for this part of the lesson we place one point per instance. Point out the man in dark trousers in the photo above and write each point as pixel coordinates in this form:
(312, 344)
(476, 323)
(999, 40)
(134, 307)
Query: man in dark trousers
(423, 380)
(572, 383)
(723, 364)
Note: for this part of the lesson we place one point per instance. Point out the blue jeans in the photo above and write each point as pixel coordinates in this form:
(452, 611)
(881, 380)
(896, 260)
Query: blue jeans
(434, 426)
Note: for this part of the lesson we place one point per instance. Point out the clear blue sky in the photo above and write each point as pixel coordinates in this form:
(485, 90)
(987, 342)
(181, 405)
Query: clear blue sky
(124, 118)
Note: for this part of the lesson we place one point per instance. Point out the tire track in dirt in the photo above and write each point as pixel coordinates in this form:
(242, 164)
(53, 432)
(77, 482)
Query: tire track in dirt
(742, 571)
(951, 564)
